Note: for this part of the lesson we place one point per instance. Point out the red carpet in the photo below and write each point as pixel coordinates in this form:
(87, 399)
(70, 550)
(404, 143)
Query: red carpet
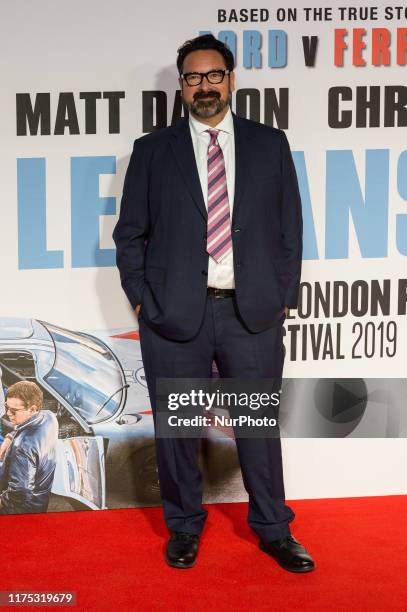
(113, 559)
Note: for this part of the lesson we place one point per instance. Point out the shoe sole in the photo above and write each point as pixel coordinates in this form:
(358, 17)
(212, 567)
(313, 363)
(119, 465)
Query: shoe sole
(299, 570)
(179, 565)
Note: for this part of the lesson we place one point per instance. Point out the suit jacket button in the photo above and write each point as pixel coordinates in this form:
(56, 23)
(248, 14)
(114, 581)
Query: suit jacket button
(204, 272)
(237, 229)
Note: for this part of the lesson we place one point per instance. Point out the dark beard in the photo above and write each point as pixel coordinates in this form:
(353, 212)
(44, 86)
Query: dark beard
(208, 108)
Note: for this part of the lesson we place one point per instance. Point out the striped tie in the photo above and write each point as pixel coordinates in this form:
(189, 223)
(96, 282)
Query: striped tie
(219, 237)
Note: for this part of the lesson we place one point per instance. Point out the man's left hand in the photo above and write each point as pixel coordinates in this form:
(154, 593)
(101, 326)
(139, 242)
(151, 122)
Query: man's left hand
(286, 311)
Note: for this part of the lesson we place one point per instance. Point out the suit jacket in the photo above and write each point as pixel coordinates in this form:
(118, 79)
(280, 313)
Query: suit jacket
(27, 474)
(161, 232)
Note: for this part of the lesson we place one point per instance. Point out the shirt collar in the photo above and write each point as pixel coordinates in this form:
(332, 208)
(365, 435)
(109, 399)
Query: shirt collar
(226, 125)
(36, 417)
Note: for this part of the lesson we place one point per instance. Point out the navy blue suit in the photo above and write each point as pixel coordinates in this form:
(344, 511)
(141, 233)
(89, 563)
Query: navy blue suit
(161, 233)
(161, 255)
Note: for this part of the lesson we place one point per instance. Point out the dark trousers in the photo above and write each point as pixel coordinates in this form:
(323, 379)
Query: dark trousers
(238, 353)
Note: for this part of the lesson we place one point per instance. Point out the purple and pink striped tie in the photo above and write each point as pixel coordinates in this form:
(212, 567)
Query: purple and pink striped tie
(219, 236)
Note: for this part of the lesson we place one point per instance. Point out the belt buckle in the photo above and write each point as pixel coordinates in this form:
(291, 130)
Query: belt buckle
(218, 293)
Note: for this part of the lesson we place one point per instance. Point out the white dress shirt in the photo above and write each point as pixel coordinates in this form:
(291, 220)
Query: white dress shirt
(220, 274)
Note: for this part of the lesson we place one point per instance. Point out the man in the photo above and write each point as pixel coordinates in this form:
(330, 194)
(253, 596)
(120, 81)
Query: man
(2, 408)
(28, 453)
(209, 248)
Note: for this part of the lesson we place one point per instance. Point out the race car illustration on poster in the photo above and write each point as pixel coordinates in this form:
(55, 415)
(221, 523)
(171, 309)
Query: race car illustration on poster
(94, 383)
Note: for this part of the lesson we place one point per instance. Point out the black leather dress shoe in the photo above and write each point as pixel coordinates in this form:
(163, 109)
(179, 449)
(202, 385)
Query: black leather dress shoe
(182, 550)
(289, 553)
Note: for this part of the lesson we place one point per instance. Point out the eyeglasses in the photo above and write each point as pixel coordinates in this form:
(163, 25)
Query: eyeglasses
(14, 410)
(213, 76)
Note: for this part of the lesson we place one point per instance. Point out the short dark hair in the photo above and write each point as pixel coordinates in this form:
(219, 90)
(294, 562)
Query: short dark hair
(206, 41)
(28, 392)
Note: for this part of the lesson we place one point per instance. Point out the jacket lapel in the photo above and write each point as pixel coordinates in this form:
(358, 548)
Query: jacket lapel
(185, 156)
(243, 161)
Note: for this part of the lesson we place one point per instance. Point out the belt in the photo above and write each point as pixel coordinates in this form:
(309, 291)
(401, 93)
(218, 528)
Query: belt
(220, 293)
